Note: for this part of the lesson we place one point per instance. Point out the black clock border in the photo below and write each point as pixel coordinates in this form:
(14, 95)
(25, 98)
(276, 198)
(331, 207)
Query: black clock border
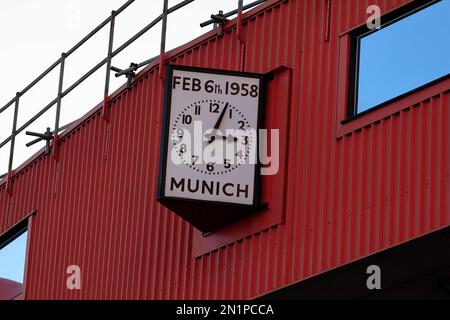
(173, 203)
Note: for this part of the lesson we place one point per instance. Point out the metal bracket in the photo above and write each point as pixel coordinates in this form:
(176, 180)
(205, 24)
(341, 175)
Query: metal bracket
(129, 73)
(219, 20)
(47, 136)
(214, 18)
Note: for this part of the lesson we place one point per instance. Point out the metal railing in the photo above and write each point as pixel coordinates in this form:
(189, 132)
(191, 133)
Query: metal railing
(49, 135)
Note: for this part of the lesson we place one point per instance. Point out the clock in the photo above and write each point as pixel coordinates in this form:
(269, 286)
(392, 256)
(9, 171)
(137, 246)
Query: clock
(209, 142)
(233, 119)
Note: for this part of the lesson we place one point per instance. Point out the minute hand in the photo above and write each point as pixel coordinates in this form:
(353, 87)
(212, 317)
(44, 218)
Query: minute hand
(219, 121)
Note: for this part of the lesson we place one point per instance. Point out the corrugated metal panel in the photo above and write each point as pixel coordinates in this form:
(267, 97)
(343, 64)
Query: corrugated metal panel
(348, 197)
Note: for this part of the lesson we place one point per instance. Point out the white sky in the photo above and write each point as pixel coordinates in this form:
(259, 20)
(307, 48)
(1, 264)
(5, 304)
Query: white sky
(34, 33)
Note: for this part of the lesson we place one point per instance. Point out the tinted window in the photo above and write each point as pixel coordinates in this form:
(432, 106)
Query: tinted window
(12, 259)
(403, 56)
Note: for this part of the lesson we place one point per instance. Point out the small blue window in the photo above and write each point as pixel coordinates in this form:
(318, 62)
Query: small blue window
(12, 257)
(402, 56)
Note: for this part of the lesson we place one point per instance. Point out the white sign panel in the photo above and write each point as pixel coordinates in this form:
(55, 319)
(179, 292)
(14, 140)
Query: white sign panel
(210, 136)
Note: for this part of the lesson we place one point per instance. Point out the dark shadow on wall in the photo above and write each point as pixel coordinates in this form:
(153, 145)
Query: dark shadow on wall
(417, 269)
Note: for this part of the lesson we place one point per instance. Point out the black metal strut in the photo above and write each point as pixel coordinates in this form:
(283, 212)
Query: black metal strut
(130, 72)
(47, 136)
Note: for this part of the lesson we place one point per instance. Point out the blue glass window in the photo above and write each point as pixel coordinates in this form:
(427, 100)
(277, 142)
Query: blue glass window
(12, 258)
(403, 56)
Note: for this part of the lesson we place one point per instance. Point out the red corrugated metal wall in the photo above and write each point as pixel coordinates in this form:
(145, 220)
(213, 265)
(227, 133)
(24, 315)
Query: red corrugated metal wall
(347, 197)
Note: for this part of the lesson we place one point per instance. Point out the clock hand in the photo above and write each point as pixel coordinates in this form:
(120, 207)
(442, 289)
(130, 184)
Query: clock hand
(219, 121)
(211, 135)
(231, 138)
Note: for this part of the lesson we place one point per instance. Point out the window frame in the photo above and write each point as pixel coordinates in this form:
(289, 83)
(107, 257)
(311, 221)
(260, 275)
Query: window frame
(11, 234)
(355, 37)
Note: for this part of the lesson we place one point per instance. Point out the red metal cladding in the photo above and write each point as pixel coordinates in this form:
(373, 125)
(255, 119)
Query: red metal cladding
(347, 196)
(9, 289)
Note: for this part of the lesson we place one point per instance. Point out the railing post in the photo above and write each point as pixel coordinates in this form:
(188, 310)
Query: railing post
(163, 41)
(239, 20)
(58, 108)
(239, 35)
(13, 141)
(106, 109)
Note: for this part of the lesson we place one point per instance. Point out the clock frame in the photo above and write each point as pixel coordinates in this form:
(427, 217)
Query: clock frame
(206, 215)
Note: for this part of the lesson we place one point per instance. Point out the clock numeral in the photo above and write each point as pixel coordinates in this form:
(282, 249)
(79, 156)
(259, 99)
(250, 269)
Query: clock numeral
(227, 164)
(183, 148)
(254, 91)
(241, 124)
(231, 113)
(239, 154)
(214, 107)
(194, 159)
(197, 110)
(187, 119)
(180, 133)
(244, 89)
(245, 142)
(234, 88)
(210, 166)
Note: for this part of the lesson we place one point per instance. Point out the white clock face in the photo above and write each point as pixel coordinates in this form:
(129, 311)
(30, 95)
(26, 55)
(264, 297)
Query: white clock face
(211, 137)
(239, 142)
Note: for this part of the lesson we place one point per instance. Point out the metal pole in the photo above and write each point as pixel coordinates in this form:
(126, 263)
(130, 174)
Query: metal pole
(6, 106)
(60, 87)
(105, 110)
(13, 142)
(163, 40)
(58, 106)
(239, 18)
(110, 47)
(94, 69)
(68, 53)
(239, 35)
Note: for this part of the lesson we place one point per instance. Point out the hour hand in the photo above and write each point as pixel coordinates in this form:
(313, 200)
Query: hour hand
(212, 137)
